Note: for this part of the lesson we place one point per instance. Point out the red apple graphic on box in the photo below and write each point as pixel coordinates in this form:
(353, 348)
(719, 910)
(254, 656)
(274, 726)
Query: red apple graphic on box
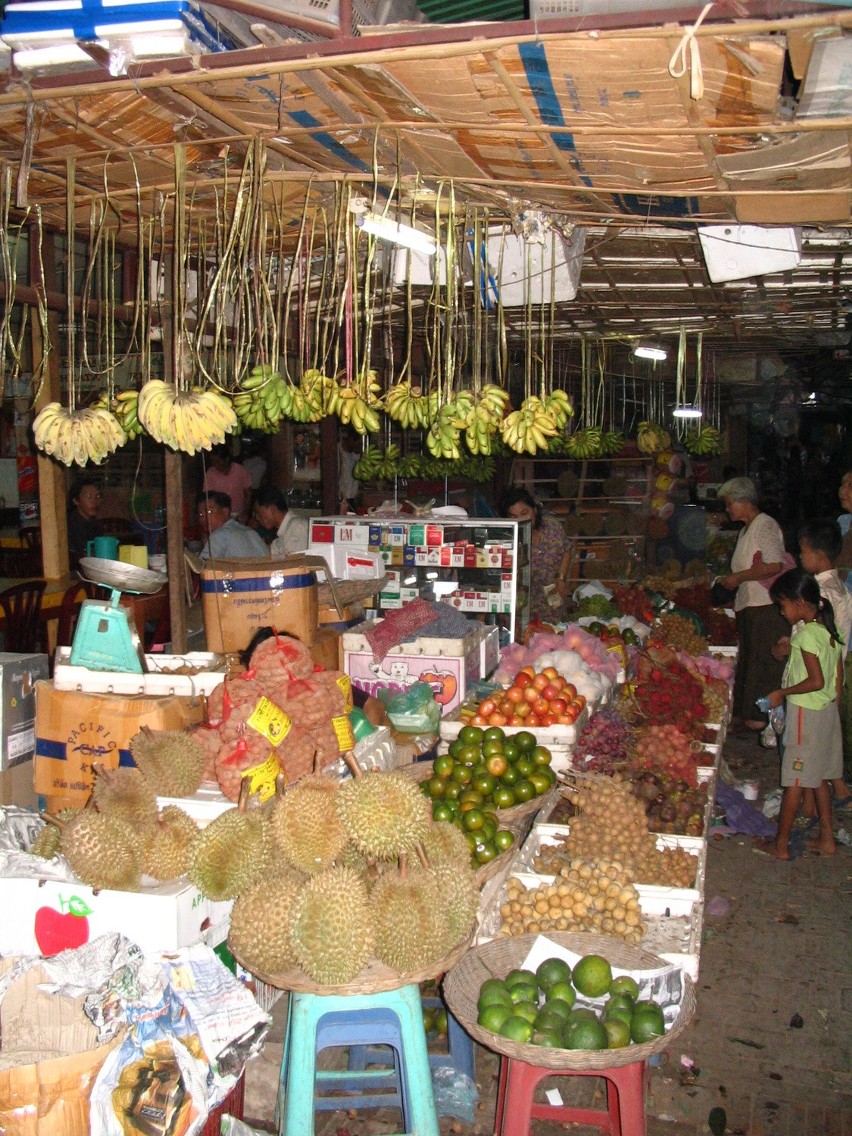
(62, 930)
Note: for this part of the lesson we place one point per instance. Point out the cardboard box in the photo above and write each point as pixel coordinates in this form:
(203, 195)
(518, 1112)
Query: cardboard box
(16, 785)
(76, 730)
(53, 915)
(240, 597)
(18, 677)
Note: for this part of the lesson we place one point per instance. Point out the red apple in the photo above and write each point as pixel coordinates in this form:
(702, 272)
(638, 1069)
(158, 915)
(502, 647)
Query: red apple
(56, 931)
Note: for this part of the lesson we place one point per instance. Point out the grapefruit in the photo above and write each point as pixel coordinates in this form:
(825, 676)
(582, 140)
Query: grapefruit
(592, 976)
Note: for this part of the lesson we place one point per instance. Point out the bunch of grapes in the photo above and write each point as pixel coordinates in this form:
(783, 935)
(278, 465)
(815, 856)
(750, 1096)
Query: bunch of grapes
(604, 743)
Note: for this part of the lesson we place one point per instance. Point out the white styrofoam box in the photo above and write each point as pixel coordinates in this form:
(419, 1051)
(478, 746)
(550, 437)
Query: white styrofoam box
(563, 737)
(52, 915)
(205, 804)
(448, 674)
(160, 679)
(521, 271)
(349, 562)
(490, 650)
(18, 677)
(544, 834)
(735, 252)
(826, 91)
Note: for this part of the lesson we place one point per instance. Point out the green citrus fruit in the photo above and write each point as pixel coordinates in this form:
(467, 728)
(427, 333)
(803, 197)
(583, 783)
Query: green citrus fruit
(592, 976)
(442, 811)
(443, 765)
(504, 839)
(551, 971)
(524, 766)
(541, 755)
(557, 1008)
(511, 777)
(510, 749)
(516, 1029)
(547, 1038)
(435, 786)
(563, 991)
(524, 790)
(494, 992)
(528, 1010)
(586, 1034)
(473, 820)
(503, 797)
(486, 852)
(525, 741)
(494, 733)
(541, 780)
(454, 748)
(471, 735)
(617, 1032)
(492, 1017)
(520, 976)
(624, 984)
(647, 1022)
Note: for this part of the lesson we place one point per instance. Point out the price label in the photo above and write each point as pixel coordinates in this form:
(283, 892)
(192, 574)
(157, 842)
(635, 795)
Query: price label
(345, 685)
(343, 731)
(270, 721)
(262, 778)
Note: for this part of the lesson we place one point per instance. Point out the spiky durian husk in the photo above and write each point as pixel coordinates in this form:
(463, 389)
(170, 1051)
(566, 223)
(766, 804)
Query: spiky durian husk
(103, 851)
(166, 855)
(260, 925)
(226, 858)
(444, 841)
(124, 793)
(385, 814)
(409, 921)
(332, 931)
(171, 761)
(456, 884)
(305, 824)
(47, 843)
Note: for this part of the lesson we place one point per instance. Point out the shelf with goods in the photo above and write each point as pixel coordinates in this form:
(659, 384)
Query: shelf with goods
(605, 504)
(480, 566)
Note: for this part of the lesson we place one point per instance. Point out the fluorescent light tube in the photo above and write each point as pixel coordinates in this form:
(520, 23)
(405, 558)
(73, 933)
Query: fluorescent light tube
(389, 230)
(649, 351)
(687, 411)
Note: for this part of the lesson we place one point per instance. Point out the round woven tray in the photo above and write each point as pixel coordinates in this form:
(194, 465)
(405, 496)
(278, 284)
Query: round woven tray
(373, 979)
(422, 771)
(497, 958)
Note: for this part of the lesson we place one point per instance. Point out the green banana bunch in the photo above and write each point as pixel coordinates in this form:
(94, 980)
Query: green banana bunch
(560, 408)
(585, 443)
(652, 439)
(376, 464)
(321, 391)
(443, 435)
(125, 406)
(703, 441)
(612, 442)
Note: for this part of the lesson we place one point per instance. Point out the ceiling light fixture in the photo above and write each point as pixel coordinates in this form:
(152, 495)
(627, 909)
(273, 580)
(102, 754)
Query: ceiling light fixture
(389, 230)
(687, 410)
(650, 351)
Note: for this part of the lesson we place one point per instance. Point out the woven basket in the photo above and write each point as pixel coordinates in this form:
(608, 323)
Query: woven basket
(422, 771)
(373, 979)
(497, 958)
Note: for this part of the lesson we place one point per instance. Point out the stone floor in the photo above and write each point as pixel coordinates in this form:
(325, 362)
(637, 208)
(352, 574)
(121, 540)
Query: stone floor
(778, 951)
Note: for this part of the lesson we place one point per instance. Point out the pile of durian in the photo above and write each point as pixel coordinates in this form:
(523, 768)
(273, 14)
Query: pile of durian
(344, 873)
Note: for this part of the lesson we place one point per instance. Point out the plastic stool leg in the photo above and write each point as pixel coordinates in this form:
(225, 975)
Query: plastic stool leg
(629, 1081)
(418, 1100)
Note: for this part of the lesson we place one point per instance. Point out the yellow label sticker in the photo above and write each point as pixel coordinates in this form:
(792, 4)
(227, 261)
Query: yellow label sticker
(346, 689)
(270, 721)
(262, 778)
(343, 729)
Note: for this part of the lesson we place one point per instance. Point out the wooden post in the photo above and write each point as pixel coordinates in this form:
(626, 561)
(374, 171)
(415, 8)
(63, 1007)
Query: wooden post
(174, 549)
(51, 478)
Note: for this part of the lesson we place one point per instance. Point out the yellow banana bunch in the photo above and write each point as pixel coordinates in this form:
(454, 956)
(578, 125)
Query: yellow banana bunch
(442, 437)
(703, 441)
(651, 438)
(494, 402)
(409, 406)
(80, 436)
(560, 408)
(612, 442)
(528, 429)
(368, 387)
(125, 406)
(321, 391)
(353, 410)
(188, 421)
(585, 443)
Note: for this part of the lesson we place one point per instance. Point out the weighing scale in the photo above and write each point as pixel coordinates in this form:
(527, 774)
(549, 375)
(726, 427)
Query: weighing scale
(106, 638)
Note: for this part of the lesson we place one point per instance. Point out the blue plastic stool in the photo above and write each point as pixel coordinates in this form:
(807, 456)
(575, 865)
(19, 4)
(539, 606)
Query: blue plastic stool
(459, 1055)
(318, 1021)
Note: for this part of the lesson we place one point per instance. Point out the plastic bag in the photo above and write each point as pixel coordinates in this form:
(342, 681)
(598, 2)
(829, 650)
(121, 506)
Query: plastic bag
(455, 1094)
(413, 711)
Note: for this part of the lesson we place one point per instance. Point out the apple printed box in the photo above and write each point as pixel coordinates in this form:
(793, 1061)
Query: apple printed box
(54, 915)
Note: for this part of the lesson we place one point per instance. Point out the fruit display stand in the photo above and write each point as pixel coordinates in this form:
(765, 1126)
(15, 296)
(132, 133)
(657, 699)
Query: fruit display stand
(495, 959)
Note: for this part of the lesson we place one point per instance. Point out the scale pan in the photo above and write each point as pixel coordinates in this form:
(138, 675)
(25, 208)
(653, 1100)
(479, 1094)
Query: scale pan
(117, 574)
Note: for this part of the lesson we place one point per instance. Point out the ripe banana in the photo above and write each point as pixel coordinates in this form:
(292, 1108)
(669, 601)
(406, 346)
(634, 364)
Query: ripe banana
(79, 436)
(527, 430)
(188, 421)
(651, 438)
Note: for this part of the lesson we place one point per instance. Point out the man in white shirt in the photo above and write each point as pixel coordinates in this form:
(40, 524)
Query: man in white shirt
(227, 538)
(291, 530)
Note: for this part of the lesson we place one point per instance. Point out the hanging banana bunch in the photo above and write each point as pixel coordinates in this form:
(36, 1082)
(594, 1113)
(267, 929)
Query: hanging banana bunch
(189, 421)
(78, 436)
(406, 404)
(527, 430)
(360, 401)
(322, 393)
(376, 464)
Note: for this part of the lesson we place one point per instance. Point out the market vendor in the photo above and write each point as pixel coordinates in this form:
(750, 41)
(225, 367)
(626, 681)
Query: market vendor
(550, 553)
(226, 537)
(227, 476)
(84, 505)
(291, 530)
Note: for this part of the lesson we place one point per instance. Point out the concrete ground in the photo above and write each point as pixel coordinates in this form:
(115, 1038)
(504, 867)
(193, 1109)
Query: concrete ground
(770, 1042)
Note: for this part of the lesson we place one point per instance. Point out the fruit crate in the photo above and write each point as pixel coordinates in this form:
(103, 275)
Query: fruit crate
(561, 737)
(544, 834)
(163, 677)
(673, 930)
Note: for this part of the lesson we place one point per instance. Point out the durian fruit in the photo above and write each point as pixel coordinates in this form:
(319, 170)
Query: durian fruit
(385, 814)
(102, 850)
(444, 841)
(47, 842)
(172, 761)
(332, 930)
(305, 824)
(456, 884)
(260, 925)
(409, 920)
(166, 854)
(227, 857)
(124, 793)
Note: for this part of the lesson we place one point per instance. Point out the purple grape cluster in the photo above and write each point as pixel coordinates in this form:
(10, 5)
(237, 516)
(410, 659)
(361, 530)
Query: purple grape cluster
(603, 743)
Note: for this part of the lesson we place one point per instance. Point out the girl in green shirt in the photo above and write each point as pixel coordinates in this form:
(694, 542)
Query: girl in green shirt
(813, 749)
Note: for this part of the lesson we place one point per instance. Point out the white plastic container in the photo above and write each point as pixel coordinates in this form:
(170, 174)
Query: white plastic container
(209, 670)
